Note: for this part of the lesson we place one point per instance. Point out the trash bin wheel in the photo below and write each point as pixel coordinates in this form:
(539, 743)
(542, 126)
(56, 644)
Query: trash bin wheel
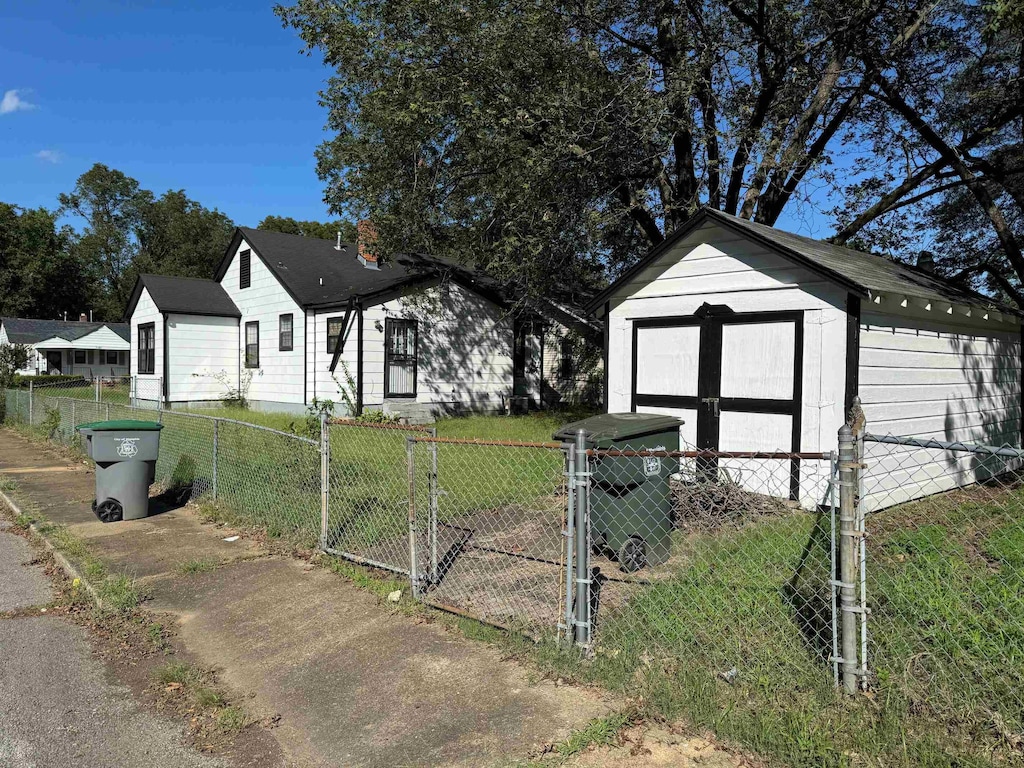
(632, 554)
(110, 511)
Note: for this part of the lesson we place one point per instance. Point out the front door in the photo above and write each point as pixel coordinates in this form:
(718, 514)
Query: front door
(54, 362)
(735, 379)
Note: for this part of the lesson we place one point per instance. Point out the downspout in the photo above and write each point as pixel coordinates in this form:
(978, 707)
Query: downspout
(359, 362)
(305, 357)
(167, 365)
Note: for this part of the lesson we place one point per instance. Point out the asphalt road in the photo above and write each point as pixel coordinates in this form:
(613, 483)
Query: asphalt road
(57, 706)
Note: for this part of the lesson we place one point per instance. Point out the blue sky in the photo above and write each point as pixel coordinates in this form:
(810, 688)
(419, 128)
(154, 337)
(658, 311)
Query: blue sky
(210, 97)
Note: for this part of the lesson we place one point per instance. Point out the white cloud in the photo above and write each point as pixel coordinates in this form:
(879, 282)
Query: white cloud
(49, 156)
(12, 102)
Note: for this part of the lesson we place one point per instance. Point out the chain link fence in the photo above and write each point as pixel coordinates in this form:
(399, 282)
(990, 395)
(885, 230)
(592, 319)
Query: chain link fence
(489, 524)
(943, 573)
(895, 566)
(264, 477)
(367, 515)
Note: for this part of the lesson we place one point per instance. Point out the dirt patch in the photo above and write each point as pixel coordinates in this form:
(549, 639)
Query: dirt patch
(644, 747)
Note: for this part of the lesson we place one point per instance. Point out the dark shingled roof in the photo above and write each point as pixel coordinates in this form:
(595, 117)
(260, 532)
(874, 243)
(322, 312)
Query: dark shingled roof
(303, 263)
(184, 295)
(22, 331)
(861, 271)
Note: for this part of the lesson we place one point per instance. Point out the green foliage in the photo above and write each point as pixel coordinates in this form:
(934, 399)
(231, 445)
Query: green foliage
(321, 230)
(314, 411)
(600, 732)
(13, 357)
(42, 274)
(376, 416)
(50, 424)
(22, 382)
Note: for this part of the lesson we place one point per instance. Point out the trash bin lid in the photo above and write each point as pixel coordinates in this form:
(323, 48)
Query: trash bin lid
(122, 425)
(610, 427)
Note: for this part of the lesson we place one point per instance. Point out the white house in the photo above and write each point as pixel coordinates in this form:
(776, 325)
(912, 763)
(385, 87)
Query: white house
(760, 339)
(291, 319)
(90, 350)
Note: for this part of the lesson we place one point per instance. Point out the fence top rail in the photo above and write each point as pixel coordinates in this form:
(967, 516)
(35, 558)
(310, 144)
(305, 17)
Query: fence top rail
(497, 443)
(60, 383)
(602, 452)
(918, 442)
(371, 425)
(223, 420)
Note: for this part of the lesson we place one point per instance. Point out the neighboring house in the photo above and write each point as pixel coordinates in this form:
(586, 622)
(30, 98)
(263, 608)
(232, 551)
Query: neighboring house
(760, 339)
(291, 319)
(65, 347)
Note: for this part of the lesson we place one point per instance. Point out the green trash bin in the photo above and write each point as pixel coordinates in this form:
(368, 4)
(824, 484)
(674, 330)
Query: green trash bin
(630, 499)
(125, 452)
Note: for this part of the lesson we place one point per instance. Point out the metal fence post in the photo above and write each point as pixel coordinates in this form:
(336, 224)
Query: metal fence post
(325, 477)
(96, 383)
(582, 550)
(73, 418)
(410, 457)
(848, 571)
(569, 533)
(216, 452)
(433, 490)
(31, 395)
(108, 411)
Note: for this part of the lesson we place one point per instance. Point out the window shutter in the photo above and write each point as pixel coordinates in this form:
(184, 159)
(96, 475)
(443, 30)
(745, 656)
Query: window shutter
(244, 268)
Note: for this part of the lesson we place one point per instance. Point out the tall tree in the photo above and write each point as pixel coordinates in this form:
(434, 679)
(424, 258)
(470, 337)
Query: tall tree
(41, 272)
(322, 230)
(947, 144)
(112, 205)
(179, 236)
(557, 140)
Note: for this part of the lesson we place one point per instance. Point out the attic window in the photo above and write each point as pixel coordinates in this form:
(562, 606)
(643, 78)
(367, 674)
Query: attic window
(244, 266)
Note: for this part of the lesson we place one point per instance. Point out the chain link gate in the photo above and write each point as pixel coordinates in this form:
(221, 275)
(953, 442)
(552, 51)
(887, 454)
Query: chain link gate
(488, 527)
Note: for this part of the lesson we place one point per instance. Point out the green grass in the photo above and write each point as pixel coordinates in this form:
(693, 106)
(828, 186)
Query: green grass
(196, 566)
(600, 732)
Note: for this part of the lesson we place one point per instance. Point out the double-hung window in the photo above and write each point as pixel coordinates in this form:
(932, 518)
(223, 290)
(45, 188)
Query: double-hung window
(110, 356)
(284, 333)
(334, 330)
(252, 345)
(147, 348)
(400, 358)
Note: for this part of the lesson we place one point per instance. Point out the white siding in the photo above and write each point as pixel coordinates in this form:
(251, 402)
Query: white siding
(933, 375)
(586, 374)
(34, 358)
(322, 383)
(147, 386)
(201, 357)
(464, 353)
(716, 266)
(279, 378)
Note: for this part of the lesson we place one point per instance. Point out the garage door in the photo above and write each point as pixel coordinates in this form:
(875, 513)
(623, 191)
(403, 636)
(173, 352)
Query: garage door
(735, 378)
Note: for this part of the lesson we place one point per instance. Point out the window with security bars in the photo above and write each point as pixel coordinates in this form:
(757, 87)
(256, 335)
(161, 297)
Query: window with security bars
(147, 348)
(284, 333)
(400, 358)
(252, 345)
(244, 268)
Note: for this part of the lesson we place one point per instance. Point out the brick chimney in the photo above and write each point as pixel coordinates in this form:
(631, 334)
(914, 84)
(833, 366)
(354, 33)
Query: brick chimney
(83, 318)
(366, 238)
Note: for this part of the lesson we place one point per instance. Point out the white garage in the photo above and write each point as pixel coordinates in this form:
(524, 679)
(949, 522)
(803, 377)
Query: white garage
(760, 339)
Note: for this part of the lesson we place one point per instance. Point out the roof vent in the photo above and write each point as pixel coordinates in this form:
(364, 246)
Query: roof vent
(337, 246)
(366, 237)
(926, 261)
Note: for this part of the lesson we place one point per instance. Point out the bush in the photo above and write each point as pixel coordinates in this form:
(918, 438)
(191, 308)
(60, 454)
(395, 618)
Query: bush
(22, 382)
